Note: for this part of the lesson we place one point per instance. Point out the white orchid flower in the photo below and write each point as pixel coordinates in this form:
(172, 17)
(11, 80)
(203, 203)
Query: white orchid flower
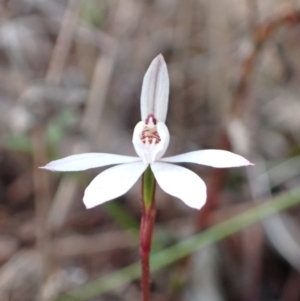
(150, 140)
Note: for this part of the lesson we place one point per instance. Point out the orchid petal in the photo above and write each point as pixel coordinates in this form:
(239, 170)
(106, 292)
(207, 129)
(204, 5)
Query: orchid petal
(155, 90)
(181, 183)
(112, 183)
(86, 161)
(210, 157)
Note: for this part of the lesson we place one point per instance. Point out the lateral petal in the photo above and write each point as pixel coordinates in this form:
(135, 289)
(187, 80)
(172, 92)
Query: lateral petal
(112, 183)
(86, 161)
(211, 157)
(181, 183)
(155, 90)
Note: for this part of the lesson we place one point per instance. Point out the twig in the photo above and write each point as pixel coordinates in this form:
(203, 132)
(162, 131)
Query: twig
(87, 245)
(261, 35)
(186, 247)
(42, 196)
(285, 244)
(63, 42)
(90, 121)
(41, 179)
(182, 33)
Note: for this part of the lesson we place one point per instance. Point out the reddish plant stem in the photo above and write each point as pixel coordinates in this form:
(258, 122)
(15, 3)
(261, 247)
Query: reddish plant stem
(146, 231)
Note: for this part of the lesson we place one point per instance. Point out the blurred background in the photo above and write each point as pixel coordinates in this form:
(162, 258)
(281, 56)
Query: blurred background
(70, 81)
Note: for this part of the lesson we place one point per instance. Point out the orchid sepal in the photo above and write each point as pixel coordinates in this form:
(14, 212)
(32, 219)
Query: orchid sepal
(86, 161)
(211, 157)
(112, 183)
(155, 90)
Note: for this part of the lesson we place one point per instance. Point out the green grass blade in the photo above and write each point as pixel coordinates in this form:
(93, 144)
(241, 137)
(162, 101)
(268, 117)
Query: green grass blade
(180, 250)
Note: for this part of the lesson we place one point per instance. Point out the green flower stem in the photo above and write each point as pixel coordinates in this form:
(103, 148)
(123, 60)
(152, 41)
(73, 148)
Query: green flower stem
(146, 230)
(148, 188)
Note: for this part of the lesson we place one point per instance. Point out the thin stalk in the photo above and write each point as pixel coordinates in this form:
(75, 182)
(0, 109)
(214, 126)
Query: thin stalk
(146, 230)
(186, 247)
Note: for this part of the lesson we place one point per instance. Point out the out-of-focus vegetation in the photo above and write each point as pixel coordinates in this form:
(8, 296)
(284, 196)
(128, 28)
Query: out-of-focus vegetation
(70, 81)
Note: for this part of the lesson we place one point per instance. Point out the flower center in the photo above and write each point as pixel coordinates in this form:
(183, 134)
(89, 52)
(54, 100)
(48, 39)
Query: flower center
(149, 134)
